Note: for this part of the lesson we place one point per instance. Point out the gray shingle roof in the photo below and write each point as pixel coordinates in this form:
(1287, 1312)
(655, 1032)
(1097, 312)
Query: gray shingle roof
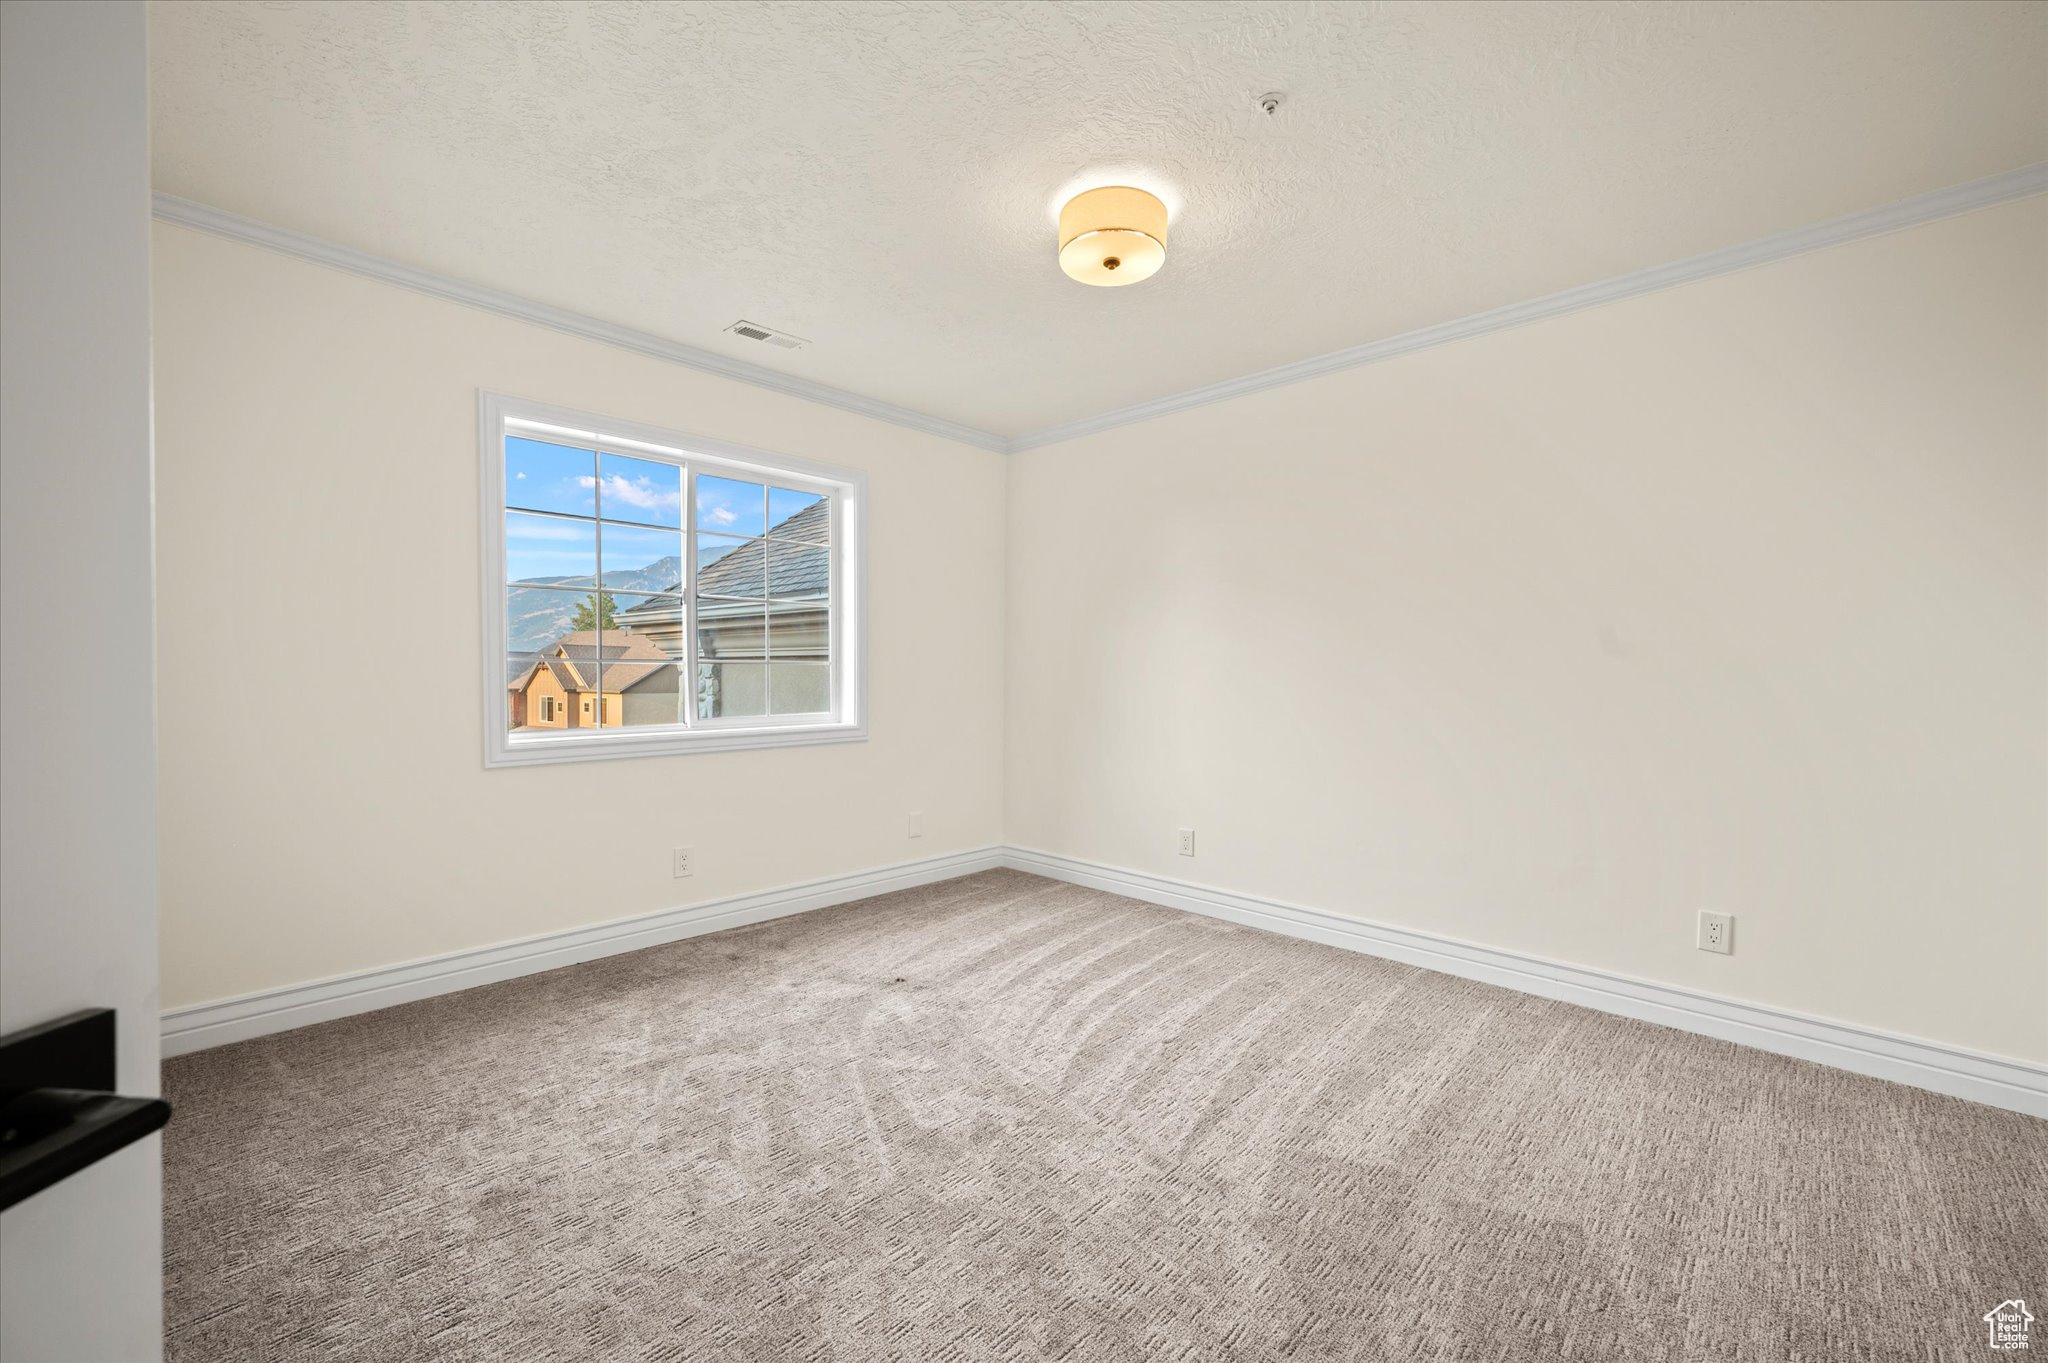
(769, 568)
(772, 565)
(814, 522)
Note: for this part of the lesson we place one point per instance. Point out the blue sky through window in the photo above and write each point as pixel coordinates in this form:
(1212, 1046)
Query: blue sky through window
(543, 477)
(640, 490)
(547, 546)
(784, 504)
(726, 506)
(633, 496)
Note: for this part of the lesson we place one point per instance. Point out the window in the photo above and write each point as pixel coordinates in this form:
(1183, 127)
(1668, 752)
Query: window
(652, 593)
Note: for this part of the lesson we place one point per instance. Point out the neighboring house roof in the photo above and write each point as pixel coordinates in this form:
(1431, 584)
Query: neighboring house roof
(814, 522)
(765, 564)
(656, 610)
(577, 659)
(625, 658)
(772, 567)
(518, 670)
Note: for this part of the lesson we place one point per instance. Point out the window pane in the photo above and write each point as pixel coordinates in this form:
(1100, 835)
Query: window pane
(730, 567)
(799, 631)
(798, 571)
(799, 515)
(640, 490)
(544, 477)
(538, 616)
(549, 549)
(727, 507)
(799, 688)
(641, 560)
(731, 629)
(655, 619)
(728, 689)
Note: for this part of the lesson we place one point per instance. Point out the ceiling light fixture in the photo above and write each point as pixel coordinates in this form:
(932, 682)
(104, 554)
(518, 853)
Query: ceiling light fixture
(1113, 235)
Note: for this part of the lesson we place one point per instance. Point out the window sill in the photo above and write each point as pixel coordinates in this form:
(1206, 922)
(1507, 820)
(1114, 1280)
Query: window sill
(505, 751)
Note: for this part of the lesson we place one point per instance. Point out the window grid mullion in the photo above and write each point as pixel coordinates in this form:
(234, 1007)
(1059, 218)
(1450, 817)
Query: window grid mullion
(832, 552)
(688, 698)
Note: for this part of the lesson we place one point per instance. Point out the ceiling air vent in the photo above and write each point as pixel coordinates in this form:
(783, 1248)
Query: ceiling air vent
(754, 331)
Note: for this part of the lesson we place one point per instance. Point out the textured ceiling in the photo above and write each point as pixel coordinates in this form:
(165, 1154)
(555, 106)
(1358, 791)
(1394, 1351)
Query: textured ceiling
(881, 178)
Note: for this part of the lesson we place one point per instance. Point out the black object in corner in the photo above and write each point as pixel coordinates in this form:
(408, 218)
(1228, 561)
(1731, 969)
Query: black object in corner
(57, 1113)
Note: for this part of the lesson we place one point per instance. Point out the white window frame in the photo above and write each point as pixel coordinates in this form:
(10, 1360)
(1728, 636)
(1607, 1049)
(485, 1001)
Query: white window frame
(846, 722)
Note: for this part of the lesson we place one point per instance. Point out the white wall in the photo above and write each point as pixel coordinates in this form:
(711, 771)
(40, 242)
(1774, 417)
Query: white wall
(1728, 597)
(79, 1262)
(317, 504)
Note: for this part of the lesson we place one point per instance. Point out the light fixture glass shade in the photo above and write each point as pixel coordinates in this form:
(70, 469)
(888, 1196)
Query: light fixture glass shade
(1113, 235)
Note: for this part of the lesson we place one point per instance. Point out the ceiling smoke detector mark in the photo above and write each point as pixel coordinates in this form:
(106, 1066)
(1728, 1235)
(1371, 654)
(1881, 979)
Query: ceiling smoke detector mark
(754, 331)
(1269, 104)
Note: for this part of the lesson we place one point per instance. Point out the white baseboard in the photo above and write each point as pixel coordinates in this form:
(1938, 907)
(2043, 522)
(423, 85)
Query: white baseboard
(1995, 1080)
(202, 1025)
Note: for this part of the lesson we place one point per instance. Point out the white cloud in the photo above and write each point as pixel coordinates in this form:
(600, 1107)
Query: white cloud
(724, 515)
(640, 492)
(520, 476)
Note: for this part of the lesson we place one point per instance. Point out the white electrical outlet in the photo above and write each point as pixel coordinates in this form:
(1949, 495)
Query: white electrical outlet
(917, 824)
(1717, 932)
(1187, 842)
(682, 861)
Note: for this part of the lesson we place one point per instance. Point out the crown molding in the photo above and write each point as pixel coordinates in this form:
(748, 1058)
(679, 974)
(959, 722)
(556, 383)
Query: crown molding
(1923, 208)
(186, 213)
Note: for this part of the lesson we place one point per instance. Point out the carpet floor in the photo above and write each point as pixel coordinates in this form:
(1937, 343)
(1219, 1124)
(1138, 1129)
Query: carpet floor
(1007, 1118)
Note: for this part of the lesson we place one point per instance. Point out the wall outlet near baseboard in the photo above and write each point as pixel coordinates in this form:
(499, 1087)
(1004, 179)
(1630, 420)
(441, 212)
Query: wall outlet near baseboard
(1717, 932)
(917, 824)
(682, 861)
(1187, 842)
